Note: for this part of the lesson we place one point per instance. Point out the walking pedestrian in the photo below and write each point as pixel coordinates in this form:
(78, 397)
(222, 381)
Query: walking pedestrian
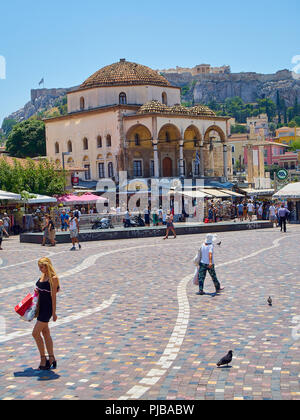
(47, 287)
(51, 228)
(250, 210)
(64, 217)
(6, 223)
(74, 231)
(2, 230)
(272, 214)
(210, 214)
(160, 216)
(170, 226)
(147, 216)
(164, 217)
(127, 222)
(240, 208)
(283, 214)
(245, 211)
(154, 217)
(260, 212)
(45, 230)
(206, 263)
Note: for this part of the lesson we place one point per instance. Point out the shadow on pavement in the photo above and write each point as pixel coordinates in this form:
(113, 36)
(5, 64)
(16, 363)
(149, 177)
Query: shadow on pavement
(224, 367)
(42, 375)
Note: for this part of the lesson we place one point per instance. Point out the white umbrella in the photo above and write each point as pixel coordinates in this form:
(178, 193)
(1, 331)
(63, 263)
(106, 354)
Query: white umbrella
(5, 195)
(39, 199)
(289, 191)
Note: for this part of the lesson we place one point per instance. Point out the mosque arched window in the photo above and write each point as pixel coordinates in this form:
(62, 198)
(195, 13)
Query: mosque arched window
(137, 140)
(108, 140)
(82, 104)
(70, 148)
(99, 142)
(110, 170)
(56, 147)
(122, 99)
(164, 98)
(85, 144)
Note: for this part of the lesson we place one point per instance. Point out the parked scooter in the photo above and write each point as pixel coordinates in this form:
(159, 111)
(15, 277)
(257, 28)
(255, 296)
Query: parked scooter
(135, 221)
(139, 221)
(104, 223)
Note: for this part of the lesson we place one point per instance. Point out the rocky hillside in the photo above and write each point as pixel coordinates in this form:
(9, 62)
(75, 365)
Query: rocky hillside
(42, 100)
(195, 89)
(248, 86)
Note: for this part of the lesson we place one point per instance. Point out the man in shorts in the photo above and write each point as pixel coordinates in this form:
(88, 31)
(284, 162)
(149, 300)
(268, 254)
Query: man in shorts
(74, 231)
(240, 209)
(250, 208)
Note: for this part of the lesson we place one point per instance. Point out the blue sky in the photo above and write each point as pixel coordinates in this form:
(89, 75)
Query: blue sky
(66, 41)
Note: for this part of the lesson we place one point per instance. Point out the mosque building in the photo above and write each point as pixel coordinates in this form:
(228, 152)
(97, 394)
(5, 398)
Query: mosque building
(127, 117)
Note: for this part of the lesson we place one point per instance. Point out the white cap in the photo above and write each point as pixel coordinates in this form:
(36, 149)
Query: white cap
(210, 238)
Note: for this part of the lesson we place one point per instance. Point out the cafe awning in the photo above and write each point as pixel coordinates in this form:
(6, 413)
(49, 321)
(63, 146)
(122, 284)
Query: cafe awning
(5, 195)
(215, 193)
(289, 191)
(253, 193)
(193, 194)
(233, 193)
(40, 199)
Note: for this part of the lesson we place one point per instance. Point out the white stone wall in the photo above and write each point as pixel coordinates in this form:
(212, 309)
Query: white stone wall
(136, 95)
(76, 129)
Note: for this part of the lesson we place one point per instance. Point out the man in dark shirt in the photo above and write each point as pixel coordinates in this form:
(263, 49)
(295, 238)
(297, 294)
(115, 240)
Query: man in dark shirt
(283, 214)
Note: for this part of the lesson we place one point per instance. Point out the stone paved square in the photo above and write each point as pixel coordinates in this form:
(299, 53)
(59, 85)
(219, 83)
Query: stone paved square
(130, 325)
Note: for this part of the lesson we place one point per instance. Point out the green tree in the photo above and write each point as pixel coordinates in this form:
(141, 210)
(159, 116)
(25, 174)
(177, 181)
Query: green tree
(41, 177)
(296, 107)
(272, 128)
(7, 125)
(238, 129)
(278, 106)
(295, 145)
(27, 139)
(267, 106)
(292, 123)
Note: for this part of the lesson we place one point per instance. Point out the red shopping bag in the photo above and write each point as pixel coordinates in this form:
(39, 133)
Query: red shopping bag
(24, 305)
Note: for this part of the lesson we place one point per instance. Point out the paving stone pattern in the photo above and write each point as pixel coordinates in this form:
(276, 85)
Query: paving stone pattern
(130, 325)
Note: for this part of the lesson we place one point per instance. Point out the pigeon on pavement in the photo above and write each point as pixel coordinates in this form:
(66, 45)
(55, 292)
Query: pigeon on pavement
(220, 243)
(226, 359)
(270, 302)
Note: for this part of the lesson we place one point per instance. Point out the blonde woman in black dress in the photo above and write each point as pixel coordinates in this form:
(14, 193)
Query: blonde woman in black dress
(47, 287)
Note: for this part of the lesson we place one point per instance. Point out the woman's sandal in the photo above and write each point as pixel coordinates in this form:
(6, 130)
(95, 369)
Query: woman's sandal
(47, 366)
(52, 365)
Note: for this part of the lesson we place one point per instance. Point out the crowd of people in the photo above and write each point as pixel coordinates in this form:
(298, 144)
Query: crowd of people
(245, 210)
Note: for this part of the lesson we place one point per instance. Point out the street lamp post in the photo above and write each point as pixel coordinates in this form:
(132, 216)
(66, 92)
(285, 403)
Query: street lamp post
(63, 158)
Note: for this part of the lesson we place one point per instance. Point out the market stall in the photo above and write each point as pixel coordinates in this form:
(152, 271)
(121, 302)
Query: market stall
(10, 206)
(290, 195)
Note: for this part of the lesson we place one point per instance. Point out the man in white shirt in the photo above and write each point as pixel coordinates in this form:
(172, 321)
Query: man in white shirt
(272, 214)
(207, 264)
(250, 207)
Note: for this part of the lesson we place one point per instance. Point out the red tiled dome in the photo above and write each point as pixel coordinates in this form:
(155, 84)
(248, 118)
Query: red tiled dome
(124, 73)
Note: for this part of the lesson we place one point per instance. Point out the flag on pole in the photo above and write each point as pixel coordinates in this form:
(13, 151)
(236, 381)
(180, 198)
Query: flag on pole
(197, 159)
(42, 81)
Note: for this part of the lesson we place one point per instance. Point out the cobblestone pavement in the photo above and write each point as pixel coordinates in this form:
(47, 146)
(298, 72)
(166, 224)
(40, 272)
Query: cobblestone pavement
(130, 325)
